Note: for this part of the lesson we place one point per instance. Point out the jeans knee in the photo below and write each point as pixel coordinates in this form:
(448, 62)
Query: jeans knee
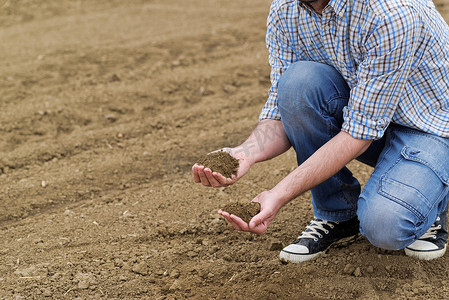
(297, 85)
(386, 228)
(306, 87)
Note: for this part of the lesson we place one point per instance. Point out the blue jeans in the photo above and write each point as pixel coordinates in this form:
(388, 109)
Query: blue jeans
(409, 186)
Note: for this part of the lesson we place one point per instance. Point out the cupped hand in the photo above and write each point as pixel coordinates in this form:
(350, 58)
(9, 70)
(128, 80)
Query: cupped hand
(207, 177)
(269, 207)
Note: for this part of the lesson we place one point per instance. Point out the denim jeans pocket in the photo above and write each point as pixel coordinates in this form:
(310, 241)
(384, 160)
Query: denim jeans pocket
(417, 181)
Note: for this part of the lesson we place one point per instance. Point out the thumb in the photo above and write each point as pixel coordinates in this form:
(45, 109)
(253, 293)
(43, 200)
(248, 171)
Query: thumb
(257, 222)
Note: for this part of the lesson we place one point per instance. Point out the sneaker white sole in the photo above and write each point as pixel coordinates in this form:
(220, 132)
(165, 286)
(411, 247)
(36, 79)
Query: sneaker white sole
(290, 257)
(425, 255)
(297, 258)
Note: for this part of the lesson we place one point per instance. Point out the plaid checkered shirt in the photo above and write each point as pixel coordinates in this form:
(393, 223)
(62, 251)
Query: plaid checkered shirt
(394, 55)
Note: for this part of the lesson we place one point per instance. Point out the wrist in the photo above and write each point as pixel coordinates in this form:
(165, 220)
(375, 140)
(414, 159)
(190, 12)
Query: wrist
(283, 194)
(276, 199)
(244, 152)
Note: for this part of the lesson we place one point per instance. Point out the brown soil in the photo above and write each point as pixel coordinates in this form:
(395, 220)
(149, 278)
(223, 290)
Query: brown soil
(105, 107)
(245, 210)
(220, 162)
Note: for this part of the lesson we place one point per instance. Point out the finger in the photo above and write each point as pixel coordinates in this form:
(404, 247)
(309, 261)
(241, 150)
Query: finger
(259, 229)
(212, 180)
(202, 176)
(242, 224)
(196, 177)
(230, 220)
(221, 179)
(258, 223)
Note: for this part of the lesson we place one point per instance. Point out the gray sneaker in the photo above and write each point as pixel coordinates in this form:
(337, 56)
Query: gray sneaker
(431, 244)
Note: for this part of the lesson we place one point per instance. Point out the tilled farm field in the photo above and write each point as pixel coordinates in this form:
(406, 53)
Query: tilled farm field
(105, 105)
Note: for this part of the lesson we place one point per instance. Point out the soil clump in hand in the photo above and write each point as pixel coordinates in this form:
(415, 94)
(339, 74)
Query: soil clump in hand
(220, 162)
(243, 209)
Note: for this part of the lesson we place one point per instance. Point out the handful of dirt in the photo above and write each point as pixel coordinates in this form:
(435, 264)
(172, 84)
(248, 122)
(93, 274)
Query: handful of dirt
(220, 162)
(245, 210)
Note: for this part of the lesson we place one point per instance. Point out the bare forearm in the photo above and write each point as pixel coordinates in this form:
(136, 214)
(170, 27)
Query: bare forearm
(266, 141)
(323, 164)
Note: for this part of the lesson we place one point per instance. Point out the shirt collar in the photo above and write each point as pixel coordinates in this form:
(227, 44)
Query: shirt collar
(305, 6)
(339, 6)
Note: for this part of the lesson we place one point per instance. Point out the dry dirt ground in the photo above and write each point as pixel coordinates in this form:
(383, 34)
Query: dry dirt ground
(105, 105)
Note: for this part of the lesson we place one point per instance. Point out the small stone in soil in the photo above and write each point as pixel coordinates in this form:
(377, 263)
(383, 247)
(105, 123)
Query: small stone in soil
(220, 162)
(83, 285)
(244, 210)
(141, 268)
(349, 269)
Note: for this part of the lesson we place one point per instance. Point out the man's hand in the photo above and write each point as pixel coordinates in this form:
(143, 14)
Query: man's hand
(208, 178)
(266, 141)
(269, 207)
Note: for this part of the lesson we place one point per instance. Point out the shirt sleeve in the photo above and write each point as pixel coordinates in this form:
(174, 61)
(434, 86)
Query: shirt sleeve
(281, 56)
(383, 74)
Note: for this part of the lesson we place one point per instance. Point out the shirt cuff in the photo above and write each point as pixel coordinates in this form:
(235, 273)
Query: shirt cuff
(270, 113)
(360, 126)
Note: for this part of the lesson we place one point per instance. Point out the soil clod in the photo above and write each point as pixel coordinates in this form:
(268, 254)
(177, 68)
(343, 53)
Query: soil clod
(244, 210)
(221, 162)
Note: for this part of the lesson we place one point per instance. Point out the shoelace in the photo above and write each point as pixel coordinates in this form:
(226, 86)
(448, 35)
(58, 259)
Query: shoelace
(432, 231)
(313, 227)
